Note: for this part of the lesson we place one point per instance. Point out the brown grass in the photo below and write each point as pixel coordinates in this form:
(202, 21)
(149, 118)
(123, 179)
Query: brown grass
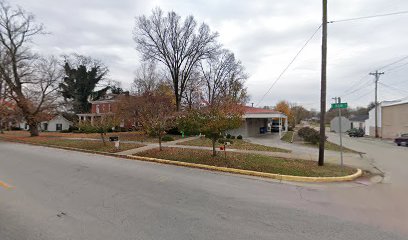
(55, 140)
(252, 162)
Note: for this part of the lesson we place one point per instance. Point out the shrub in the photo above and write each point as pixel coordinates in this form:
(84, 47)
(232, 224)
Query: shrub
(222, 140)
(232, 137)
(309, 135)
(174, 131)
(228, 136)
(167, 138)
(65, 131)
(239, 137)
(16, 128)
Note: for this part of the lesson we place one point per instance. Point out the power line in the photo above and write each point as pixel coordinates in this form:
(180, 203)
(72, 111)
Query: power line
(400, 60)
(399, 66)
(361, 96)
(290, 63)
(363, 84)
(396, 89)
(366, 17)
(358, 89)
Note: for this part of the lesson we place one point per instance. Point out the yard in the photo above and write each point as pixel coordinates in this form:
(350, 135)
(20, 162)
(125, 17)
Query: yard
(237, 144)
(254, 162)
(123, 136)
(55, 139)
(288, 137)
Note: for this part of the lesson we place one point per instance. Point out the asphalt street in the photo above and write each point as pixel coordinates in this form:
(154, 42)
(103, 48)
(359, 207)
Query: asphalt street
(59, 194)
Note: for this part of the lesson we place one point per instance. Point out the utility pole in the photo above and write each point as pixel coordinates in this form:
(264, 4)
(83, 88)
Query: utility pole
(323, 86)
(377, 78)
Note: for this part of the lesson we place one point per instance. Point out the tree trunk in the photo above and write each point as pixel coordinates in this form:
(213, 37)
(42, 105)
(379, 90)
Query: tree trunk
(160, 143)
(213, 145)
(1, 127)
(103, 138)
(33, 129)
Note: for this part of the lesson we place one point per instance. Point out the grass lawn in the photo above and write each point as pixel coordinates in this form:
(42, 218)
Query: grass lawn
(252, 162)
(288, 137)
(123, 136)
(237, 144)
(57, 141)
(332, 147)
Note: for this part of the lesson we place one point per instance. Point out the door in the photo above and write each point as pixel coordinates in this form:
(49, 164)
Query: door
(58, 127)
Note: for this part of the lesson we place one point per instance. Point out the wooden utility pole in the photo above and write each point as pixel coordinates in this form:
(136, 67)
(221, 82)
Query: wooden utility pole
(377, 78)
(323, 86)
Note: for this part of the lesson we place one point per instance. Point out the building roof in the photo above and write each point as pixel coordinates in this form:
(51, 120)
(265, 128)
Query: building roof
(396, 102)
(253, 110)
(358, 118)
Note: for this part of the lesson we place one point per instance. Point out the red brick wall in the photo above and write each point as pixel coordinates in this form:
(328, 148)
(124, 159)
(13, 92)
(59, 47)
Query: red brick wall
(103, 107)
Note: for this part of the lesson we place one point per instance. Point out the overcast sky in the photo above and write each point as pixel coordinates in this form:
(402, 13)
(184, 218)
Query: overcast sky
(264, 34)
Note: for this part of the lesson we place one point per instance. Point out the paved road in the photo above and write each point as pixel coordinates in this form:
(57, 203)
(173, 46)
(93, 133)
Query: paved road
(59, 194)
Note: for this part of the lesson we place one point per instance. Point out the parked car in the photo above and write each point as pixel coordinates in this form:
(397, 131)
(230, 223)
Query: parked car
(354, 132)
(403, 140)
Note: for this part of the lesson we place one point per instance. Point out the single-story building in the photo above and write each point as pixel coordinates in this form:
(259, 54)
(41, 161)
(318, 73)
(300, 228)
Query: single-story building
(392, 119)
(55, 124)
(345, 124)
(358, 121)
(257, 121)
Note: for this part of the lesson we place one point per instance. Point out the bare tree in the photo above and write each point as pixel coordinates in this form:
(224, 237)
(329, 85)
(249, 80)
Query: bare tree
(147, 78)
(179, 45)
(224, 78)
(193, 94)
(32, 80)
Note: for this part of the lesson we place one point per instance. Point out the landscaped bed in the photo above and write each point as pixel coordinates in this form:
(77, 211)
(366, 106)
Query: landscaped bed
(60, 142)
(253, 162)
(237, 144)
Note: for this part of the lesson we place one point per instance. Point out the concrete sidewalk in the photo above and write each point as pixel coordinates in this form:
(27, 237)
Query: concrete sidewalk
(298, 151)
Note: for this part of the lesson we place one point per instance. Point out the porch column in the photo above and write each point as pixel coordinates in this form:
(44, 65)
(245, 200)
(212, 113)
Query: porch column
(92, 120)
(280, 126)
(286, 124)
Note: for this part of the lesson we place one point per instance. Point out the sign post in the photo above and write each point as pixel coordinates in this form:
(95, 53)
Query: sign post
(339, 105)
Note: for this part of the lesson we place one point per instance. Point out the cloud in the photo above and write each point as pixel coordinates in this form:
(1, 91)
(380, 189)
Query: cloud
(264, 35)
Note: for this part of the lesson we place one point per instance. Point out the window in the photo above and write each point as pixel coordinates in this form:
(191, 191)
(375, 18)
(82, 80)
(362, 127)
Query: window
(45, 127)
(59, 127)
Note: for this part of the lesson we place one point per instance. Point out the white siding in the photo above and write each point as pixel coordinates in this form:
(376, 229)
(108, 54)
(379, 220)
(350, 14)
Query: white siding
(52, 124)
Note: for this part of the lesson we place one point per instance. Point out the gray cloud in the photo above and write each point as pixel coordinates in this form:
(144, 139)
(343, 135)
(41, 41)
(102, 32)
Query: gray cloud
(264, 34)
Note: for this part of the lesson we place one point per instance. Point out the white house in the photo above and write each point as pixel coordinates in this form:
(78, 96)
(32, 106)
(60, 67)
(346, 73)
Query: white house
(55, 124)
(358, 121)
(258, 121)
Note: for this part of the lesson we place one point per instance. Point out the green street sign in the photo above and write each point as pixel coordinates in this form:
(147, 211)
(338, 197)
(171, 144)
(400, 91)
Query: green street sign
(338, 105)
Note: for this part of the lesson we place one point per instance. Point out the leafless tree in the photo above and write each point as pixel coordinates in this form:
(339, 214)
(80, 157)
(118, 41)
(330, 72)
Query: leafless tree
(147, 78)
(177, 44)
(193, 94)
(32, 80)
(224, 77)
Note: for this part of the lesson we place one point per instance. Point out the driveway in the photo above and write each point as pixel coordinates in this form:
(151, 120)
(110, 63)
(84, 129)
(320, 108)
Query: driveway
(383, 154)
(59, 194)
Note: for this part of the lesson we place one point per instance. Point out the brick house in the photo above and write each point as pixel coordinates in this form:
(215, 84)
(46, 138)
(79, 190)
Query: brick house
(104, 107)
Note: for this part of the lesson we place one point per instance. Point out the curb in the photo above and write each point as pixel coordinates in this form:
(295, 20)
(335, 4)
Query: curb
(280, 177)
(276, 176)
